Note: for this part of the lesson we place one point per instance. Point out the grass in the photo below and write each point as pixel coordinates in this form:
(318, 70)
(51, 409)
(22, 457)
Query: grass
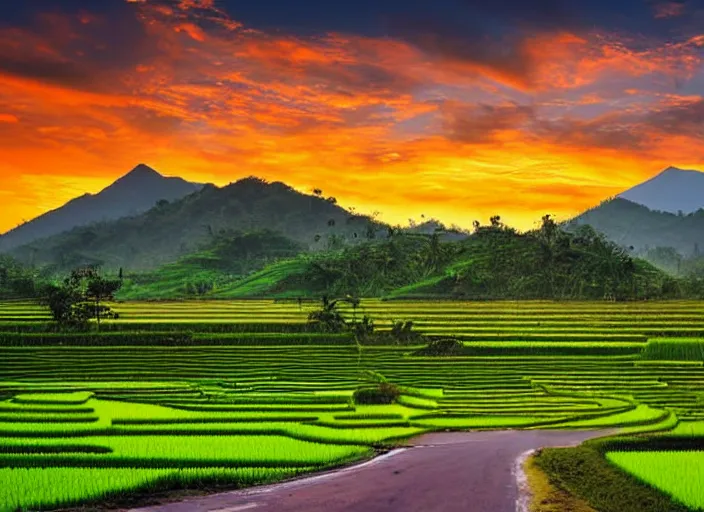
(586, 474)
(52, 488)
(476, 422)
(675, 349)
(688, 428)
(679, 474)
(641, 415)
(75, 398)
(192, 451)
(556, 348)
(547, 497)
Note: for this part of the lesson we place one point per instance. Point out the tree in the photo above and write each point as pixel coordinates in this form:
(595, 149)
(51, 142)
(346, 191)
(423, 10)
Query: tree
(78, 298)
(98, 290)
(327, 317)
(354, 301)
(62, 300)
(16, 280)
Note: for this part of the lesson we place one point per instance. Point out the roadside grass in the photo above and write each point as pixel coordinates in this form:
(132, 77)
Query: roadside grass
(548, 497)
(585, 473)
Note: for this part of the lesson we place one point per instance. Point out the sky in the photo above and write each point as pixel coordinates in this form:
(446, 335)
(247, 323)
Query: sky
(453, 109)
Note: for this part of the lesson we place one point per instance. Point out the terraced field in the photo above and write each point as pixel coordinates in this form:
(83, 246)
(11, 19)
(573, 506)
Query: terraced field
(199, 394)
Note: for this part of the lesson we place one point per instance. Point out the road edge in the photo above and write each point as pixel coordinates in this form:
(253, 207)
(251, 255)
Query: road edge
(524, 492)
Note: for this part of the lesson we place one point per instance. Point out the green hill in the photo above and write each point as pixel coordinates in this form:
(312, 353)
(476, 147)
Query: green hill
(495, 262)
(230, 258)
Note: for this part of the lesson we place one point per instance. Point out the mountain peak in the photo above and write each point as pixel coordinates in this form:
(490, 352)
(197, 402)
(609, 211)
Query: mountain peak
(132, 194)
(676, 170)
(672, 190)
(143, 170)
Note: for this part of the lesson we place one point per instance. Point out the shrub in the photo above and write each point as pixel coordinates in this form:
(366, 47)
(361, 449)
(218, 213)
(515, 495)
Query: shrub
(442, 347)
(382, 394)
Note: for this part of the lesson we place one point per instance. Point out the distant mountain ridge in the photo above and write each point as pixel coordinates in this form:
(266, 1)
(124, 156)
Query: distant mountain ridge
(132, 194)
(639, 228)
(664, 211)
(126, 225)
(167, 232)
(673, 190)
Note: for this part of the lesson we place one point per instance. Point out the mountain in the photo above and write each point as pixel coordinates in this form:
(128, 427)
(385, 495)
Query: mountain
(673, 190)
(635, 226)
(133, 194)
(170, 231)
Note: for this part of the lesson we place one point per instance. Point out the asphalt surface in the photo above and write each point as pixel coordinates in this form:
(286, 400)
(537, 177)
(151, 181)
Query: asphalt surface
(441, 472)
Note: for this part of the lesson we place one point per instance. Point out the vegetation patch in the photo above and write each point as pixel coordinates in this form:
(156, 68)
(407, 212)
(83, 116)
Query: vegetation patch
(382, 394)
(585, 473)
(75, 398)
(548, 497)
(678, 474)
(674, 349)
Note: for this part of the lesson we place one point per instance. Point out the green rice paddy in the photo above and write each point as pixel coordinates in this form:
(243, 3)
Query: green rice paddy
(679, 474)
(185, 394)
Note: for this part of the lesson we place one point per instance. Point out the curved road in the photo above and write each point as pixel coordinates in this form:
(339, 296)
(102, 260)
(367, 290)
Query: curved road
(442, 472)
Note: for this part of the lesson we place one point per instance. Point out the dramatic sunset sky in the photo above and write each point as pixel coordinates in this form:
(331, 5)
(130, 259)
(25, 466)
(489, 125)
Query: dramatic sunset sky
(457, 109)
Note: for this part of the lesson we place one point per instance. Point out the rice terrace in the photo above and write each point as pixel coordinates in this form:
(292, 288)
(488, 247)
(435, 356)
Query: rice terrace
(230, 394)
(352, 256)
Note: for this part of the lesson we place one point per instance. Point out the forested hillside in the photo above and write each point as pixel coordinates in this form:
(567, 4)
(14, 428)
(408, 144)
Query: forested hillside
(639, 229)
(495, 262)
(16, 280)
(175, 229)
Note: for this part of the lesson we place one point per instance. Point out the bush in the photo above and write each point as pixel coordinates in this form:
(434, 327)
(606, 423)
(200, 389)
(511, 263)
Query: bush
(382, 394)
(443, 347)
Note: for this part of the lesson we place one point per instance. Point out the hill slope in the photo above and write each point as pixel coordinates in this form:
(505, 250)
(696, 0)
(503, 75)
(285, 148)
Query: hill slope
(673, 190)
(169, 231)
(494, 263)
(230, 258)
(632, 225)
(134, 193)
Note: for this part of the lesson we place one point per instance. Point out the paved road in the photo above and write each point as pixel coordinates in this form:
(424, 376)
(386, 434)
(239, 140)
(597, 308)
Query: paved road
(442, 472)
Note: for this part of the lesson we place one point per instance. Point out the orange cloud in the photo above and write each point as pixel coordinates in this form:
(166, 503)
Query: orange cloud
(382, 124)
(192, 30)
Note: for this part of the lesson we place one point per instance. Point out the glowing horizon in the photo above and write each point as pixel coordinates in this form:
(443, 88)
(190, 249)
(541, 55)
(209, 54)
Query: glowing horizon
(550, 116)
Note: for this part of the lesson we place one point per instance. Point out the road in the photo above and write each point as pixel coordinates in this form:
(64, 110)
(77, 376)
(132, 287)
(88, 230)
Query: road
(440, 472)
